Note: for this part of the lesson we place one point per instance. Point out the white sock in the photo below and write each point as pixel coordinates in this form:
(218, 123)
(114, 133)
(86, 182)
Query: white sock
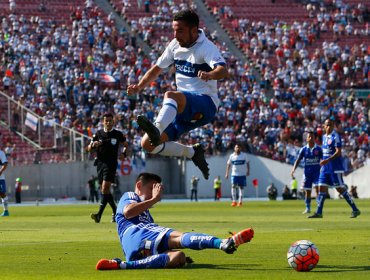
(166, 115)
(174, 149)
(5, 203)
(122, 265)
(233, 194)
(240, 195)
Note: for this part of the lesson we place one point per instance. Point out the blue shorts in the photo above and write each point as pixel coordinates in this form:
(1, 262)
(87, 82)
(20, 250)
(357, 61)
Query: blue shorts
(309, 181)
(238, 181)
(143, 240)
(2, 186)
(333, 180)
(199, 110)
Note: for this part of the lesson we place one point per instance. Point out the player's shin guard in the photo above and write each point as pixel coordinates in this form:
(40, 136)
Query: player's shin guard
(233, 194)
(199, 241)
(5, 203)
(166, 114)
(308, 203)
(174, 149)
(320, 202)
(155, 261)
(350, 201)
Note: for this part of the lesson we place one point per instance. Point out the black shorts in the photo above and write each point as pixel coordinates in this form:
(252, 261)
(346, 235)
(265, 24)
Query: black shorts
(106, 172)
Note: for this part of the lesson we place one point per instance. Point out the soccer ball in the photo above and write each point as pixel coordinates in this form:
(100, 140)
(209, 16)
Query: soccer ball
(303, 255)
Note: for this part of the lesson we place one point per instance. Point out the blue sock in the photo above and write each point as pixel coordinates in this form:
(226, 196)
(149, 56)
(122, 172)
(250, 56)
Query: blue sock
(349, 201)
(155, 261)
(308, 203)
(199, 241)
(320, 202)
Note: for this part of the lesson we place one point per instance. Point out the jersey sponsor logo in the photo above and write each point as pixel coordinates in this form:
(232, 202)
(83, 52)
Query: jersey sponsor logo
(200, 238)
(238, 162)
(189, 69)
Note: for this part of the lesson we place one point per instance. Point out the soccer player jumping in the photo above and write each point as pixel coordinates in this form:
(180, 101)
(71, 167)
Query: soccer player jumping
(198, 65)
(148, 245)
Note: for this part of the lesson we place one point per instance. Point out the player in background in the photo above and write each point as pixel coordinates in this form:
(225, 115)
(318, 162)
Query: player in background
(107, 143)
(198, 65)
(311, 154)
(4, 197)
(148, 245)
(239, 163)
(331, 173)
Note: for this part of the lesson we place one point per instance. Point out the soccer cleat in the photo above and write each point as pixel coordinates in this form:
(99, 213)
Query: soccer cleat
(315, 215)
(113, 218)
(230, 244)
(150, 129)
(243, 236)
(5, 214)
(307, 211)
(240, 204)
(355, 214)
(200, 161)
(233, 204)
(95, 217)
(105, 264)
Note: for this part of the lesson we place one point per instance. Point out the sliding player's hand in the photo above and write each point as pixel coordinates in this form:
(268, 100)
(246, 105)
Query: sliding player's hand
(157, 191)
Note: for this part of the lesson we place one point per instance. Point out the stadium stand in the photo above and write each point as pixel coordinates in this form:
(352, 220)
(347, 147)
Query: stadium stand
(61, 75)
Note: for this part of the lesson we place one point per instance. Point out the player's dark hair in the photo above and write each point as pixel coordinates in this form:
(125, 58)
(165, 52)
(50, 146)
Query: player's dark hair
(145, 177)
(108, 115)
(188, 16)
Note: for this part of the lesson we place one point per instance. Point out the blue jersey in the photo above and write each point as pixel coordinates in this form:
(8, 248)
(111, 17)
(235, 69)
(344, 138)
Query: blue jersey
(329, 144)
(311, 159)
(122, 222)
(139, 236)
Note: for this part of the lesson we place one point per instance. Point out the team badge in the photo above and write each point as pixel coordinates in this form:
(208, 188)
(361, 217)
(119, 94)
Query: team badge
(329, 141)
(113, 141)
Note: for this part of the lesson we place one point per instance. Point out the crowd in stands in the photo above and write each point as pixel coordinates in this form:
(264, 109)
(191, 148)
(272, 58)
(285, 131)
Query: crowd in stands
(59, 72)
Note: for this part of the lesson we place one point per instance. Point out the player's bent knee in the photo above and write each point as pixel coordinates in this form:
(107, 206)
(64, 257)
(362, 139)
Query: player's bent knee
(177, 259)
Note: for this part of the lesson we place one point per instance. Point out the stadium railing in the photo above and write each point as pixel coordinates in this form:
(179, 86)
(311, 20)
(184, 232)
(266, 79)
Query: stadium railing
(43, 134)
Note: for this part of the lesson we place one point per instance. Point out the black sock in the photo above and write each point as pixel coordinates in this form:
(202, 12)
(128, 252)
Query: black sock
(103, 203)
(112, 203)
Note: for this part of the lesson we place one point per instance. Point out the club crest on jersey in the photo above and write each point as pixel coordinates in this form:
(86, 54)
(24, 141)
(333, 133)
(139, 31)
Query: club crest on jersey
(329, 141)
(113, 141)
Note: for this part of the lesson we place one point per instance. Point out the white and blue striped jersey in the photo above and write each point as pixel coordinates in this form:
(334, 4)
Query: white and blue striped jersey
(311, 159)
(238, 164)
(202, 56)
(3, 160)
(329, 144)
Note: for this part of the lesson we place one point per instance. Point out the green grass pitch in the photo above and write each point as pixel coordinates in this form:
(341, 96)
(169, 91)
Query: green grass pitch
(62, 242)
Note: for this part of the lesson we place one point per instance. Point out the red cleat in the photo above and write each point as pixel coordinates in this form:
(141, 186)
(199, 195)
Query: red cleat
(105, 264)
(243, 236)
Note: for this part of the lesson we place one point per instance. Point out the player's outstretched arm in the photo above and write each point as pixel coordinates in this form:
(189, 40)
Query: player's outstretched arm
(149, 77)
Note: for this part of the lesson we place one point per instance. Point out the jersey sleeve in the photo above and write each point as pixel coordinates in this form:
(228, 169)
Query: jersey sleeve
(3, 158)
(167, 57)
(122, 138)
(337, 141)
(300, 153)
(213, 57)
(126, 199)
